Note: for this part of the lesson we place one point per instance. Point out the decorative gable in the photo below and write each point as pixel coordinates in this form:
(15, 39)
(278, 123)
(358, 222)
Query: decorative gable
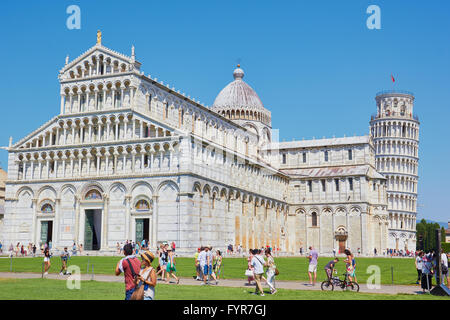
(98, 61)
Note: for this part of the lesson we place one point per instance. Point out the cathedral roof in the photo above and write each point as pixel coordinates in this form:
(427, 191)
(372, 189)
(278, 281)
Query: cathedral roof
(321, 142)
(238, 95)
(338, 171)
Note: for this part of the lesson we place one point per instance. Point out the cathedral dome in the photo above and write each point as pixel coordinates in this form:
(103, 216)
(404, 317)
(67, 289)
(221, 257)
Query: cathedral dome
(238, 101)
(237, 95)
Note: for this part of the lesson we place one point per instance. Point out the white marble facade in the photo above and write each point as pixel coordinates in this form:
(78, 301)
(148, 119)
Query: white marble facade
(126, 149)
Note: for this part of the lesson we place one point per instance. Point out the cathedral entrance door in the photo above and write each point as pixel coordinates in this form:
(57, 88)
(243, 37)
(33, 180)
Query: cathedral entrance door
(341, 245)
(92, 229)
(142, 230)
(46, 231)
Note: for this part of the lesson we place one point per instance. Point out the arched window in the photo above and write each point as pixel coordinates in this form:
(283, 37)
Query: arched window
(142, 205)
(47, 208)
(314, 219)
(93, 195)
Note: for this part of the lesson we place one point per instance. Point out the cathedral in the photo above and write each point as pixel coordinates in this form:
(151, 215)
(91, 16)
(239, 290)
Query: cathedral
(129, 157)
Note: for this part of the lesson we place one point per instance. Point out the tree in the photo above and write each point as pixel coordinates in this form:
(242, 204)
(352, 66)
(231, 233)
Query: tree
(426, 232)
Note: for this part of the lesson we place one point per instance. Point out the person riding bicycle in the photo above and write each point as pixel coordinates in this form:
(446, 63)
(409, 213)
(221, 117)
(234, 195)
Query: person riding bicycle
(329, 268)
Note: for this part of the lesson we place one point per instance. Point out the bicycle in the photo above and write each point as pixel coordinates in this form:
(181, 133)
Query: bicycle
(345, 285)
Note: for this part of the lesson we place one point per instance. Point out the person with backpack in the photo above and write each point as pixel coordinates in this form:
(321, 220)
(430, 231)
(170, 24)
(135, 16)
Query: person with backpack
(130, 267)
(257, 263)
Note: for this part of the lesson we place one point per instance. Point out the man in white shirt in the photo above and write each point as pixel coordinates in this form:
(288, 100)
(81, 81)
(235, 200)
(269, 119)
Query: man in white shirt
(444, 263)
(258, 264)
(202, 260)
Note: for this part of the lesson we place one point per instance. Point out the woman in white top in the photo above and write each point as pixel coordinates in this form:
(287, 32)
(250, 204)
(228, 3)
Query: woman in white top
(270, 272)
(148, 275)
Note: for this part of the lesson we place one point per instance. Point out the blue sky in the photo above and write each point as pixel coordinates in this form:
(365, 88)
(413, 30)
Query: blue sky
(314, 64)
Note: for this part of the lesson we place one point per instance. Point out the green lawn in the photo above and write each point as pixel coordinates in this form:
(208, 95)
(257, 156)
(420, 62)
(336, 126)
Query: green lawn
(47, 289)
(293, 268)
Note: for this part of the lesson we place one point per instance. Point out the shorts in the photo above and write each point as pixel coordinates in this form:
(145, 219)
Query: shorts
(46, 259)
(312, 268)
(199, 269)
(329, 273)
(207, 270)
(128, 294)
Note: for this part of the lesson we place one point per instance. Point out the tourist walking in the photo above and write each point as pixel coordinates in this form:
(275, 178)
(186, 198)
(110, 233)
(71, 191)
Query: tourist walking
(217, 264)
(11, 250)
(209, 260)
(147, 275)
(427, 272)
(250, 278)
(444, 267)
(419, 266)
(47, 257)
(312, 268)
(270, 271)
(162, 262)
(171, 270)
(202, 260)
(197, 265)
(258, 270)
(349, 264)
(17, 248)
(64, 259)
(130, 267)
(198, 270)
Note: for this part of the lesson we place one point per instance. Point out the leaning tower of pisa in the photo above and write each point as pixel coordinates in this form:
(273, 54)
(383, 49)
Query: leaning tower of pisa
(395, 132)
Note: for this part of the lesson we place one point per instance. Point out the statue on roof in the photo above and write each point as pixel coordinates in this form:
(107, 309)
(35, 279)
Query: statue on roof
(99, 37)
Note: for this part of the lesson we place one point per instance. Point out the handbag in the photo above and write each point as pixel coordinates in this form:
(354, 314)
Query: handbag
(249, 273)
(138, 293)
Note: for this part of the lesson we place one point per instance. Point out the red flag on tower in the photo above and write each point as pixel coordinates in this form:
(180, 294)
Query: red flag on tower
(392, 77)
